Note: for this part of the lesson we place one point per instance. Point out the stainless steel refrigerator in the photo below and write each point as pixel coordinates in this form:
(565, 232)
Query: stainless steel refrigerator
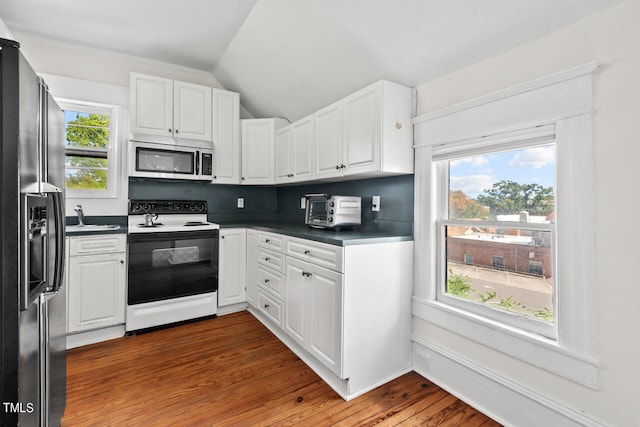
(32, 312)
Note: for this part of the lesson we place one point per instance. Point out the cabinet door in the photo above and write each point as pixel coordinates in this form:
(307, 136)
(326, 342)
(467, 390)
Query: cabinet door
(96, 291)
(151, 105)
(252, 266)
(283, 155)
(192, 112)
(302, 149)
(232, 273)
(328, 141)
(225, 129)
(325, 312)
(295, 317)
(258, 151)
(361, 150)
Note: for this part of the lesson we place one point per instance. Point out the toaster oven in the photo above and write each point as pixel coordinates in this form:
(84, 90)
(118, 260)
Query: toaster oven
(335, 212)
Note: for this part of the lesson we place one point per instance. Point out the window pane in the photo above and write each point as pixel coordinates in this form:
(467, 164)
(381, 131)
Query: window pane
(86, 130)
(516, 185)
(86, 178)
(511, 269)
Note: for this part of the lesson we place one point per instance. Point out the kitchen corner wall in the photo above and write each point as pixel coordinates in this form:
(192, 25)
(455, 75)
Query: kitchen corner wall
(270, 203)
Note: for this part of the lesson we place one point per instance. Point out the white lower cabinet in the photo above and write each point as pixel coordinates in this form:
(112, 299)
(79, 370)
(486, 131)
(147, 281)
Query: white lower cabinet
(313, 311)
(345, 311)
(252, 266)
(96, 282)
(232, 274)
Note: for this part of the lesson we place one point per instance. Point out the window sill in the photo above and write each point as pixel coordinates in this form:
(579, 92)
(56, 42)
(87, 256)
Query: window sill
(527, 347)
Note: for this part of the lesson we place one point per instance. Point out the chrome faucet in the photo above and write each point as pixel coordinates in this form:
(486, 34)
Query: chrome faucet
(80, 214)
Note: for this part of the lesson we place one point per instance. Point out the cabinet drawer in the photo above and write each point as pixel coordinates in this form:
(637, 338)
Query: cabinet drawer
(271, 259)
(271, 280)
(97, 244)
(270, 306)
(322, 254)
(271, 241)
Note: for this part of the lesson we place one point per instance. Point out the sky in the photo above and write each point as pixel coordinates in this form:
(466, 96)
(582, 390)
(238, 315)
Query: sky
(475, 174)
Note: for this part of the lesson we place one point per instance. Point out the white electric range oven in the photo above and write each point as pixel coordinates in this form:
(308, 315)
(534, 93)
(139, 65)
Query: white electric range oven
(173, 263)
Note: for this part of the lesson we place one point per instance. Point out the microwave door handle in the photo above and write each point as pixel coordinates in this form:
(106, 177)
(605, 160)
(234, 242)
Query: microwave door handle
(197, 162)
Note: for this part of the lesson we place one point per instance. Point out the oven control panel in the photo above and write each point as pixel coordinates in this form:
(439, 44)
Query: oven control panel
(167, 206)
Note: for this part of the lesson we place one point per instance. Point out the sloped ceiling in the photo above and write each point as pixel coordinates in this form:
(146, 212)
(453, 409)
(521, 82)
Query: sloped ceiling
(288, 58)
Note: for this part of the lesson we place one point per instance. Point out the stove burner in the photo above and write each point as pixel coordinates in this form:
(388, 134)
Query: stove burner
(194, 223)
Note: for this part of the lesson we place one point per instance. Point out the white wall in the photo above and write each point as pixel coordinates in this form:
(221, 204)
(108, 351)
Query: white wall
(4, 31)
(612, 38)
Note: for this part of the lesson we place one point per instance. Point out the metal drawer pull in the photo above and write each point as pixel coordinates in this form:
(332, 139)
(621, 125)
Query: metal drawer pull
(267, 240)
(307, 252)
(267, 258)
(266, 306)
(306, 274)
(266, 281)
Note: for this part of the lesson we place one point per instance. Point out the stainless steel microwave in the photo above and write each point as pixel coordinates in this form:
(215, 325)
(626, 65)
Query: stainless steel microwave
(150, 160)
(335, 212)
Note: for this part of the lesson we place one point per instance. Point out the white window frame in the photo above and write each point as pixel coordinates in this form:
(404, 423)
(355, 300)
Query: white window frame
(563, 100)
(112, 151)
(487, 144)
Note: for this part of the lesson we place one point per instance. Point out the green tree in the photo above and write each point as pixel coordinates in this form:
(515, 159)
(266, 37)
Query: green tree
(87, 170)
(509, 197)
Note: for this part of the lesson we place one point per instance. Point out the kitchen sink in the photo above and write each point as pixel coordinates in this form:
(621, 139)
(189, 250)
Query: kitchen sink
(91, 227)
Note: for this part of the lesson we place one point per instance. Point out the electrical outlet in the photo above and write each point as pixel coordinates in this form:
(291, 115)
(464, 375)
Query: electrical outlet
(375, 203)
(240, 202)
(303, 202)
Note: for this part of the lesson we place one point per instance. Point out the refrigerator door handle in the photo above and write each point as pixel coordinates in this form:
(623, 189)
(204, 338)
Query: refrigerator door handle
(59, 220)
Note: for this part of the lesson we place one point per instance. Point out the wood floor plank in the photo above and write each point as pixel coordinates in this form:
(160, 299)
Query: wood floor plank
(232, 371)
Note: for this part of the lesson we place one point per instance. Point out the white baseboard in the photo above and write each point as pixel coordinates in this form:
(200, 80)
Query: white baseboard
(502, 399)
(92, 337)
(233, 308)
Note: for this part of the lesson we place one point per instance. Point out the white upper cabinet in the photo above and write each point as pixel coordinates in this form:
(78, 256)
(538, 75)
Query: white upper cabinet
(151, 105)
(367, 133)
(302, 148)
(171, 112)
(295, 151)
(258, 150)
(328, 147)
(283, 155)
(191, 111)
(226, 137)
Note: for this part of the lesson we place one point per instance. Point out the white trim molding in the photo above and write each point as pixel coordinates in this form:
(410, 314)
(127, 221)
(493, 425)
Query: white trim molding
(498, 397)
(562, 102)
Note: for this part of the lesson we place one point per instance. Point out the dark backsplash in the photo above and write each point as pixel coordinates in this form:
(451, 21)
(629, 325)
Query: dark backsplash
(282, 203)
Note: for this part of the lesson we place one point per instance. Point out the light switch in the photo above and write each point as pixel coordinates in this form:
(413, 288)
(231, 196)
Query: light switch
(240, 202)
(303, 202)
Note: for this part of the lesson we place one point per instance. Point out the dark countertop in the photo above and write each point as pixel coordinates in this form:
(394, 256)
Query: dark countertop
(332, 237)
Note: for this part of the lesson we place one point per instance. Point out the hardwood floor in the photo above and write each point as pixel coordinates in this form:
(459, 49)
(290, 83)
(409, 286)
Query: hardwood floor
(231, 371)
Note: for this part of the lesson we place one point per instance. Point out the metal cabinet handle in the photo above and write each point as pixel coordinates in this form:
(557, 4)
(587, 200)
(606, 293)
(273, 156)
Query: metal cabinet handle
(267, 240)
(306, 274)
(267, 258)
(121, 262)
(266, 281)
(177, 131)
(266, 306)
(307, 252)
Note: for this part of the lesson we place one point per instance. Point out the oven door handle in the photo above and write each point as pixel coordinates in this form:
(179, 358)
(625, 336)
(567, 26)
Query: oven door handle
(172, 235)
